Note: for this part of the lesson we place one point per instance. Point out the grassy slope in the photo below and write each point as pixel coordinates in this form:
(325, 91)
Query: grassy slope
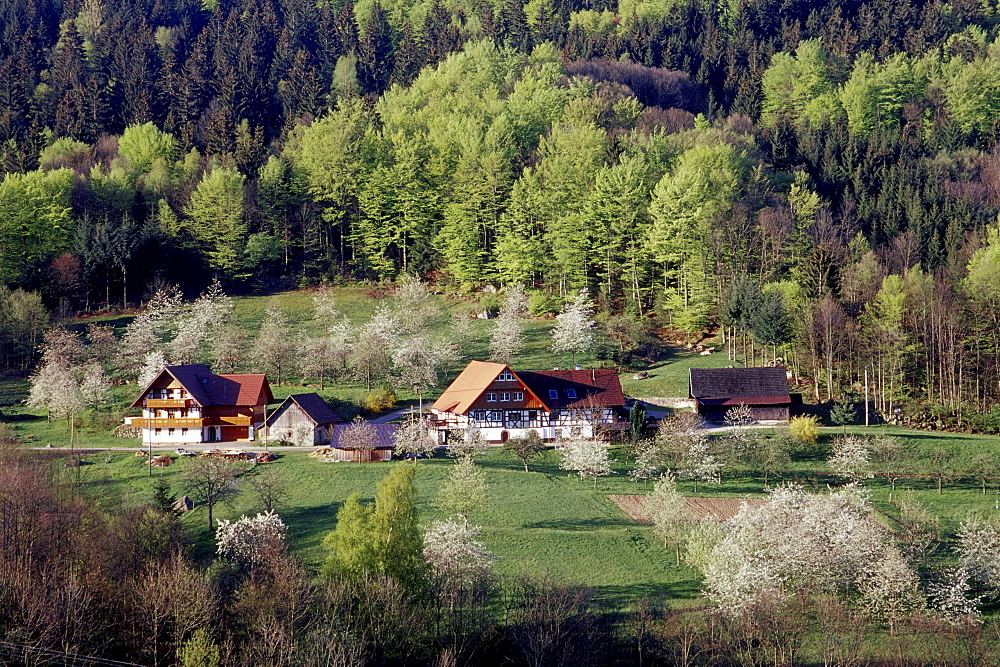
(544, 522)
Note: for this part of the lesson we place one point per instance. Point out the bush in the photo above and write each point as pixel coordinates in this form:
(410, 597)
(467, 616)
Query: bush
(803, 429)
(540, 303)
(377, 401)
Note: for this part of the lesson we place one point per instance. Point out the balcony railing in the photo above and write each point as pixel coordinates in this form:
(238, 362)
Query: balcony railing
(178, 422)
(235, 420)
(168, 403)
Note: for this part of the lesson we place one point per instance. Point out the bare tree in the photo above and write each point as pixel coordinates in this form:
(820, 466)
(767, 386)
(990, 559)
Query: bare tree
(270, 486)
(211, 481)
(525, 448)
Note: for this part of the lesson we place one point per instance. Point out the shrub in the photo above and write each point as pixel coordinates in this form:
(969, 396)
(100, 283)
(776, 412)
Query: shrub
(540, 303)
(803, 428)
(377, 401)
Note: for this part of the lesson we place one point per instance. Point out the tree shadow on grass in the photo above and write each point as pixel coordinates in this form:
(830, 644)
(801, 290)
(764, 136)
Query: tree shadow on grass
(616, 599)
(580, 524)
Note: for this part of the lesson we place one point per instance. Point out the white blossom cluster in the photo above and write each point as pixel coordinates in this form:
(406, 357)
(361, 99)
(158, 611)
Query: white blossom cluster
(795, 541)
(454, 553)
(585, 456)
(850, 457)
(247, 540)
(952, 598)
(979, 553)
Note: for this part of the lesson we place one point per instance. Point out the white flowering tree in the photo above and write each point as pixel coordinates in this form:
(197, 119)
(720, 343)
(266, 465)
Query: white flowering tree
(816, 543)
(359, 436)
(415, 438)
(248, 541)
(699, 464)
(978, 548)
(890, 591)
(465, 489)
(274, 346)
(586, 457)
(668, 510)
(507, 335)
(850, 459)
(415, 364)
(196, 322)
(54, 388)
(574, 329)
(457, 558)
(952, 598)
(648, 462)
(152, 364)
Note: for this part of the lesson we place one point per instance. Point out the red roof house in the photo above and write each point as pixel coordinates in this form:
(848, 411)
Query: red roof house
(190, 404)
(506, 404)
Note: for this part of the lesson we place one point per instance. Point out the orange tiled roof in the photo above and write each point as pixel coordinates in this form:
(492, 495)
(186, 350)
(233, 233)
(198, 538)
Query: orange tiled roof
(468, 386)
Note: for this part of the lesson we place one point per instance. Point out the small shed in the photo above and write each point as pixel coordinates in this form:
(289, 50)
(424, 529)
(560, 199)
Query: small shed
(384, 434)
(763, 390)
(303, 419)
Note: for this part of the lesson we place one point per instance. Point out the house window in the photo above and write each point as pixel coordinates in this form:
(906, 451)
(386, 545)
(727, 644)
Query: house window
(553, 393)
(184, 431)
(478, 415)
(506, 376)
(518, 395)
(505, 397)
(170, 432)
(156, 431)
(496, 417)
(491, 398)
(570, 392)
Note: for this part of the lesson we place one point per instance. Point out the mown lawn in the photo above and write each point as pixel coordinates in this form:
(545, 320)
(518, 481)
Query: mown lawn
(543, 523)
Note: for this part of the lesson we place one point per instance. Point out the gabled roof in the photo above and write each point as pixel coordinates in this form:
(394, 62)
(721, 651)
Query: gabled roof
(206, 388)
(592, 387)
(468, 386)
(314, 407)
(384, 434)
(731, 386)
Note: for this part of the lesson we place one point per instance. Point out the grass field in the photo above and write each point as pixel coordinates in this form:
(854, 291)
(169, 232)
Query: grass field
(543, 523)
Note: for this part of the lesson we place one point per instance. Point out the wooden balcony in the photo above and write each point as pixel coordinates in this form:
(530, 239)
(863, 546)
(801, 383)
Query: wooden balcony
(169, 403)
(234, 420)
(177, 422)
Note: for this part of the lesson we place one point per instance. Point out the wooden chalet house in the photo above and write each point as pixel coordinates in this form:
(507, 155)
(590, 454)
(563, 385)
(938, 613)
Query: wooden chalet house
(504, 404)
(763, 390)
(189, 404)
(303, 419)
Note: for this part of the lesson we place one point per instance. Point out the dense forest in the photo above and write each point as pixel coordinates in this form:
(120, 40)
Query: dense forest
(816, 177)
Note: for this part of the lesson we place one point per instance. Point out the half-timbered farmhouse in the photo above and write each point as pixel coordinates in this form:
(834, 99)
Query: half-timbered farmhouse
(505, 404)
(304, 420)
(763, 390)
(190, 404)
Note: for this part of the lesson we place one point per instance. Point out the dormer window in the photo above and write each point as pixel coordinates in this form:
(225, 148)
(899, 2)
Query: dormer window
(570, 392)
(506, 376)
(554, 393)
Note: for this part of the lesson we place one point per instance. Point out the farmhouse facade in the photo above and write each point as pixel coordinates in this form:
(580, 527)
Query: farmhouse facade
(764, 390)
(503, 404)
(189, 404)
(303, 420)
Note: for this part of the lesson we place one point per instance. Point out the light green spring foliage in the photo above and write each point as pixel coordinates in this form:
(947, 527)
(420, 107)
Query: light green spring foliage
(35, 222)
(982, 281)
(216, 218)
(145, 145)
(875, 93)
(384, 539)
(703, 184)
(350, 543)
(200, 651)
(798, 86)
